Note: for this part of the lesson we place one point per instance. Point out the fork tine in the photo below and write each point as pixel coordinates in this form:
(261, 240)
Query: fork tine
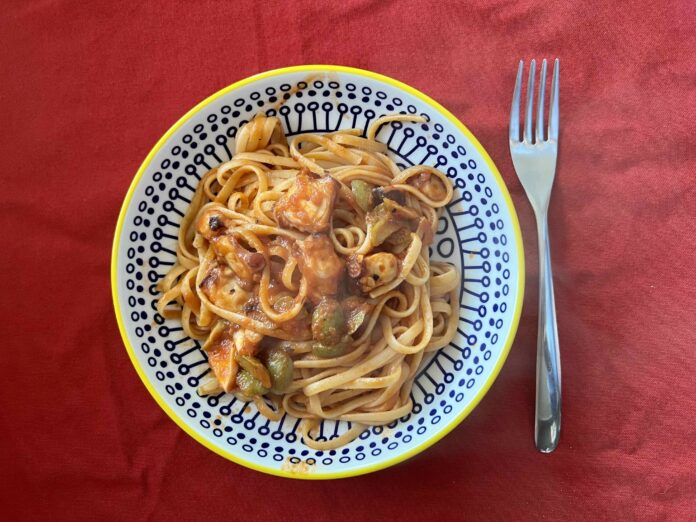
(515, 111)
(530, 103)
(553, 107)
(540, 104)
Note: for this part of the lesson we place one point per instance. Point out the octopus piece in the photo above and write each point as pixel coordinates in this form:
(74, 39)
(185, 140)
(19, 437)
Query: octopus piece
(243, 262)
(213, 226)
(212, 223)
(373, 270)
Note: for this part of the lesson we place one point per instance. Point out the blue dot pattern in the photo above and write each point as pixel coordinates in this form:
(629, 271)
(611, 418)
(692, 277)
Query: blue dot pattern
(474, 233)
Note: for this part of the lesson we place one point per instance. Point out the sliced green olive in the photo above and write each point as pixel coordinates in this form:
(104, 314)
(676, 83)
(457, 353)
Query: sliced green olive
(325, 351)
(256, 369)
(328, 322)
(280, 366)
(363, 194)
(250, 385)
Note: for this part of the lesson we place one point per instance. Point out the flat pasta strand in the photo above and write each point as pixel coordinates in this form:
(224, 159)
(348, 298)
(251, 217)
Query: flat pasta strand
(249, 284)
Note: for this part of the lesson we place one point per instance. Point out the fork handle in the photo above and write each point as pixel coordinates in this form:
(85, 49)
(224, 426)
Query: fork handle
(548, 384)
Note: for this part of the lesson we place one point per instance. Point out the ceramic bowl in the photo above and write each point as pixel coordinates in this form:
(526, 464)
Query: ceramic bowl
(478, 232)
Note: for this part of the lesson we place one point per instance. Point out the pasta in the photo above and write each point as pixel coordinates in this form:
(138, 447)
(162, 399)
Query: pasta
(303, 268)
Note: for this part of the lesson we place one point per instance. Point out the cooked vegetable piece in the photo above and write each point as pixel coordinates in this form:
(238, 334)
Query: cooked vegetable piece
(388, 217)
(280, 367)
(250, 385)
(330, 351)
(363, 194)
(256, 369)
(328, 322)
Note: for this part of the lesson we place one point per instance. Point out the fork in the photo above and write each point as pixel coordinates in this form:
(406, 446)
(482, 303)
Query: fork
(534, 158)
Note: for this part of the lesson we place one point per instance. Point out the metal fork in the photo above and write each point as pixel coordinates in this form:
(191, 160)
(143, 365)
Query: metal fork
(534, 158)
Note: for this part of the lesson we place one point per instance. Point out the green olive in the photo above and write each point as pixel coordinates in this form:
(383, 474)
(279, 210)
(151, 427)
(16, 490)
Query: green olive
(256, 369)
(328, 322)
(325, 351)
(363, 194)
(279, 365)
(249, 385)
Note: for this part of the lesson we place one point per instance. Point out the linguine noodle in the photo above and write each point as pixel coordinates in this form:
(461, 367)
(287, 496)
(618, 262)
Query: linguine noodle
(303, 267)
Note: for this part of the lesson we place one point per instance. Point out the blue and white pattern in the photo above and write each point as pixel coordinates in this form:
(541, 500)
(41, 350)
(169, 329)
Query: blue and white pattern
(476, 233)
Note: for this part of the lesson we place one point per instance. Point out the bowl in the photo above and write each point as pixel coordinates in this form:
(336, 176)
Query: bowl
(478, 232)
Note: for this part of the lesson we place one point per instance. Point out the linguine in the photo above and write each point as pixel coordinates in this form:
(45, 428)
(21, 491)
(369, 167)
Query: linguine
(303, 267)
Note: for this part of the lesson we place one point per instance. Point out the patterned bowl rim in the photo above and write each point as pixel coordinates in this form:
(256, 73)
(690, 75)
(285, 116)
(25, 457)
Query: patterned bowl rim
(182, 423)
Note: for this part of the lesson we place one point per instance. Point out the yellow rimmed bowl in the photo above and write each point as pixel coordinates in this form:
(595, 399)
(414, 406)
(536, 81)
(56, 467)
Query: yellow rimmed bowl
(478, 232)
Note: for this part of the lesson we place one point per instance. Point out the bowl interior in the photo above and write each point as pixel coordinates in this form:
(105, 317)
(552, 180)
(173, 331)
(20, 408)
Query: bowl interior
(478, 232)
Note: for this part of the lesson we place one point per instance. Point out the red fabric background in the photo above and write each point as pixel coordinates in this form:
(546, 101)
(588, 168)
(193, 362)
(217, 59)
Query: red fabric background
(88, 87)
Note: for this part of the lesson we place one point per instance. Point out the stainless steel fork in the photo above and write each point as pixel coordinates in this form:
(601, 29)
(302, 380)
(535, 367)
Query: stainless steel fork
(534, 158)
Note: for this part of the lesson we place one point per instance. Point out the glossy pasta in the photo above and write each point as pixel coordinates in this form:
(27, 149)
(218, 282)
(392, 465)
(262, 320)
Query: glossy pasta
(303, 268)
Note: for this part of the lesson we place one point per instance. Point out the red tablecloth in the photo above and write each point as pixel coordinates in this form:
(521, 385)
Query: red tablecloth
(88, 87)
